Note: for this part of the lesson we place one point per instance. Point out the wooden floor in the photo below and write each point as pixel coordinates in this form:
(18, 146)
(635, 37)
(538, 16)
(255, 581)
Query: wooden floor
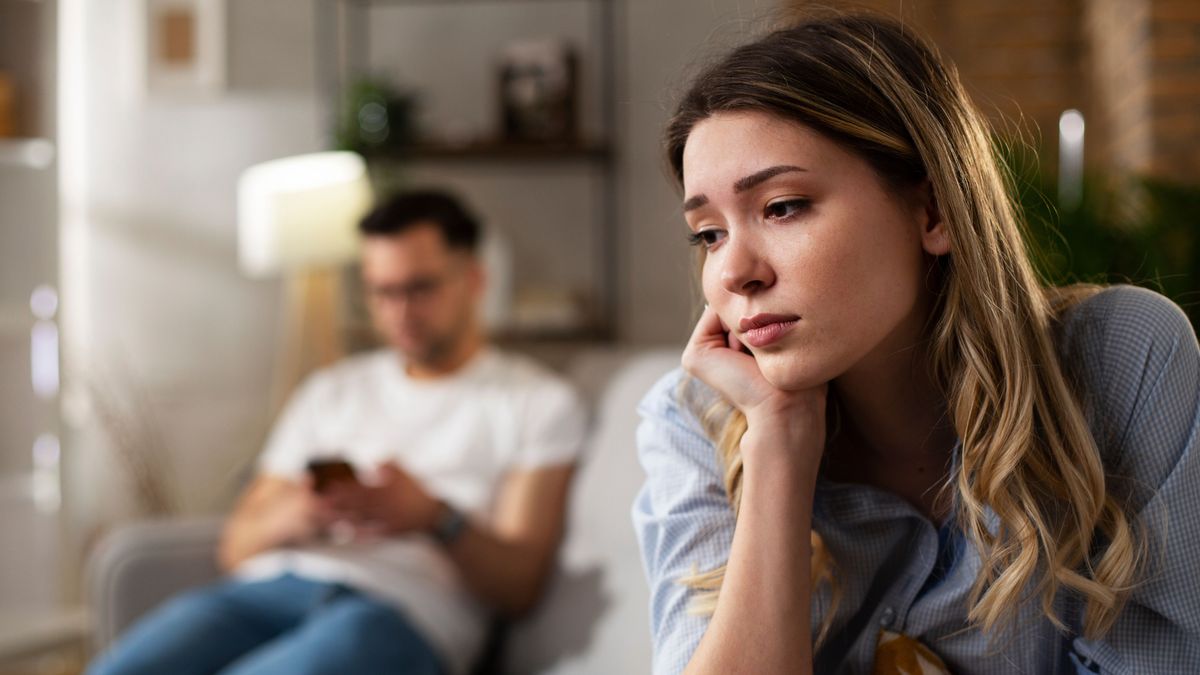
(63, 662)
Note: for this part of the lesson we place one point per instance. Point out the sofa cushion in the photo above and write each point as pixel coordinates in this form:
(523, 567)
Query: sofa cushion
(594, 618)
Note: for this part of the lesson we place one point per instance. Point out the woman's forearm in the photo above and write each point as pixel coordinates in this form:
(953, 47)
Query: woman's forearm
(762, 621)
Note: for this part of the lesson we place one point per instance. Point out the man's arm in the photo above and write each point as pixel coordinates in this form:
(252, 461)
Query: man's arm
(506, 562)
(272, 512)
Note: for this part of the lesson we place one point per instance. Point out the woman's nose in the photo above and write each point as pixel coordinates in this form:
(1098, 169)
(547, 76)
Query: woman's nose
(744, 269)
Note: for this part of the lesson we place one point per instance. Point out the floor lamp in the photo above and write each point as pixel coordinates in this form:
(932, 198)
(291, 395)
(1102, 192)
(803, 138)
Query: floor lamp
(297, 218)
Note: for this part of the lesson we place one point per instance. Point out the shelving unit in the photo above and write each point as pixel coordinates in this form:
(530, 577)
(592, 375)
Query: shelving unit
(343, 53)
(37, 615)
(506, 152)
(26, 153)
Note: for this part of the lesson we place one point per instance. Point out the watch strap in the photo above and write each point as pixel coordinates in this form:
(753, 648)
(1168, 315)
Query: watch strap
(449, 526)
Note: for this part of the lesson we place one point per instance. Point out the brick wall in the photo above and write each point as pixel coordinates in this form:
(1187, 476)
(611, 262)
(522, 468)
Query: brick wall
(1131, 66)
(1118, 67)
(1174, 106)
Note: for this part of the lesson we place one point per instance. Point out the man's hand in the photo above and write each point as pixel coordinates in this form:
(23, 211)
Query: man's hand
(273, 512)
(389, 502)
(296, 516)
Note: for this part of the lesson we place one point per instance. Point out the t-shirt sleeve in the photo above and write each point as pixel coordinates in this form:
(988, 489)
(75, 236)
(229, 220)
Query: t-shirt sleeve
(1153, 381)
(683, 521)
(553, 428)
(294, 440)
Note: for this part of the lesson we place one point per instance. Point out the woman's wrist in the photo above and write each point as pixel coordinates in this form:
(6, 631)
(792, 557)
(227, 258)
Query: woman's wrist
(779, 486)
(786, 442)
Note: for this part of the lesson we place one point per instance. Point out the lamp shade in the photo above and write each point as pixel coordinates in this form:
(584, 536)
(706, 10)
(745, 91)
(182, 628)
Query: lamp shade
(301, 212)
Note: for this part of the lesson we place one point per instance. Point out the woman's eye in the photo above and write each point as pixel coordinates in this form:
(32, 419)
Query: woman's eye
(705, 238)
(785, 209)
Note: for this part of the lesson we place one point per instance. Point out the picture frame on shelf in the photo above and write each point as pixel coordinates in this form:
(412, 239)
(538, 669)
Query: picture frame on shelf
(538, 87)
(183, 47)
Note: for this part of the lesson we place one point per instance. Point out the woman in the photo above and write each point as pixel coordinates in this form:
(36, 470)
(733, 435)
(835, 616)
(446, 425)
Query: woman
(891, 447)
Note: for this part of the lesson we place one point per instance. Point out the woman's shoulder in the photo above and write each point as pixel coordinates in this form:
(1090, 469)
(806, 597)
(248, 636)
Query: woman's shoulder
(672, 427)
(676, 393)
(1122, 318)
(1133, 356)
(1113, 339)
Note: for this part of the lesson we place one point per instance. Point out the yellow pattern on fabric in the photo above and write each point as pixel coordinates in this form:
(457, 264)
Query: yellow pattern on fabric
(898, 654)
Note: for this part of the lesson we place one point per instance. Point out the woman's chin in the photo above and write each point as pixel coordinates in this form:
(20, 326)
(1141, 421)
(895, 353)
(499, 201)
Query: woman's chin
(787, 372)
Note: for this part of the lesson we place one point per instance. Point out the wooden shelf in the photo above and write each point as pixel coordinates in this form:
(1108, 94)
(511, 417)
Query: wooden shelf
(343, 53)
(26, 153)
(26, 632)
(497, 152)
(372, 3)
(360, 336)
(572, 335)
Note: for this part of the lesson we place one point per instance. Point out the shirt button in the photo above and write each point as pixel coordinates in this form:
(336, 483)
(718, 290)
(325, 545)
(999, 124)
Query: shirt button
(887, 616)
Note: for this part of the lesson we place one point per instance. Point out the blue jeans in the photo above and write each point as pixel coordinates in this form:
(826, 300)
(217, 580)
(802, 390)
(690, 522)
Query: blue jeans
(283, 625)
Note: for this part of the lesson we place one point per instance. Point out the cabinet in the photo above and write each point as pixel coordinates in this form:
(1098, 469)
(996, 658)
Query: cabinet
(553, 202)
(34, 569)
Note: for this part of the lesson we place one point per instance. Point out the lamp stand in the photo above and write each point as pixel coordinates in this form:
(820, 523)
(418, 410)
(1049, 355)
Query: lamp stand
(311, 329)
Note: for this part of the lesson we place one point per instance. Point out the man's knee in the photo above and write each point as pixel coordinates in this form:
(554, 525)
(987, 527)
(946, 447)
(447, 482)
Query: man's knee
(360, 617)
(363, 626)
(197, 603)
(166, 634)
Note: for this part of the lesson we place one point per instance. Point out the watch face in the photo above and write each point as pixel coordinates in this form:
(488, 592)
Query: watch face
(451, 525)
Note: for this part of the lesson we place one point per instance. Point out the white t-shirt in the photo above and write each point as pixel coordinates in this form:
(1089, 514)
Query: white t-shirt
(458, 435)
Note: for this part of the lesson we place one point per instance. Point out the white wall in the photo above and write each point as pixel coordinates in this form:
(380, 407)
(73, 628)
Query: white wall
(665, 41)
(171, 324)
(173, 333)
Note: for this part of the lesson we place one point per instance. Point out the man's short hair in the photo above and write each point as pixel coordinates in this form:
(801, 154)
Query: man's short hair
(405, 210)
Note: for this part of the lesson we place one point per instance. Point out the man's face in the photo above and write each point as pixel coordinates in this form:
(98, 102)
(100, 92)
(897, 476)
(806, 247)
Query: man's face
(422, 294)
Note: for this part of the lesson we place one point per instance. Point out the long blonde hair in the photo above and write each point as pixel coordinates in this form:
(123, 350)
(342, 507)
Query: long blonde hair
(1027, 453)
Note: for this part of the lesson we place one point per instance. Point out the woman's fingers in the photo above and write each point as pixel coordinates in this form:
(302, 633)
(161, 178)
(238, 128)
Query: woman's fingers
(716, 358)
(736, 345)
(709, 329)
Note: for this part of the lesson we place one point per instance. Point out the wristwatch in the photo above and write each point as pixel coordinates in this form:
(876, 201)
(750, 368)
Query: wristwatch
(449, 526)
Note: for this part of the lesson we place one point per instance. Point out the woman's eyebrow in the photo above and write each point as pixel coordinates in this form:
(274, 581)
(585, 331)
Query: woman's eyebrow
(758, 177)
(743, 184)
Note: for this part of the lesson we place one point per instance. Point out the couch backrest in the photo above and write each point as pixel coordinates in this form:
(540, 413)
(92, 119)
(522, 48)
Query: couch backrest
(595, 616)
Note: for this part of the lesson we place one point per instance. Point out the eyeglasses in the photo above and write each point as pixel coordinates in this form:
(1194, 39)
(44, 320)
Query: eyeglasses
(420, 289)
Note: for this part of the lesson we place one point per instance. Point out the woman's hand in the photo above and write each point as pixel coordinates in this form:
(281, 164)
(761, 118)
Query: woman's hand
(762, 621)
(774, 416)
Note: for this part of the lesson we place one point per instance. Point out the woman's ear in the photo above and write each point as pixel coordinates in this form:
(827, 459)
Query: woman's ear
(934, 237)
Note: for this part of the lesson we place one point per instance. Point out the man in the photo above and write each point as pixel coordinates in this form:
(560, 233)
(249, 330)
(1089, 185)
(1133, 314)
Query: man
(461, 460)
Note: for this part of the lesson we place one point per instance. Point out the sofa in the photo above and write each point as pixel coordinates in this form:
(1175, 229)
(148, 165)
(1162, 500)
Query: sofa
(593, 619)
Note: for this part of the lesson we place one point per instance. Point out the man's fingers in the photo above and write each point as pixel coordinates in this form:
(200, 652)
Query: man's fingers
(309, 483)
(369, 530)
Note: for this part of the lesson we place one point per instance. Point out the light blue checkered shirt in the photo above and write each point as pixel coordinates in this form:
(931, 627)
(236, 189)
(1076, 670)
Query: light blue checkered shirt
(1136, 357)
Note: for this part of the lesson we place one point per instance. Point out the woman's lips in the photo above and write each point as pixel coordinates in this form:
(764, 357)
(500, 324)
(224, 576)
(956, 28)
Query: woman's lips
(761, 330)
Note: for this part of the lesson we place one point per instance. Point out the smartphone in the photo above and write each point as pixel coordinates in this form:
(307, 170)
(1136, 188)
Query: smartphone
(328, 471)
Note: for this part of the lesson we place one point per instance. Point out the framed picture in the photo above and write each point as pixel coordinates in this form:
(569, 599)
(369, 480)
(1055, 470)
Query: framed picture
(184, 46)
(538, 85)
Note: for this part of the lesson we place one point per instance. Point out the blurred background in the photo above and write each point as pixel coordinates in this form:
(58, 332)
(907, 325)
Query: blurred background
(146, 339)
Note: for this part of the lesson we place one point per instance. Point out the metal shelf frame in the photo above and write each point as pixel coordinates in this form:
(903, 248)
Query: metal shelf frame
(342, 51)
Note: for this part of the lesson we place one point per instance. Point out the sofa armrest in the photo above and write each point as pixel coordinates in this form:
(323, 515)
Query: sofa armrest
(137, 566)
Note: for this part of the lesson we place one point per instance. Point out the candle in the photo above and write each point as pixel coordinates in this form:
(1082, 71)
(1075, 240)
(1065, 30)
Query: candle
(1070, 159)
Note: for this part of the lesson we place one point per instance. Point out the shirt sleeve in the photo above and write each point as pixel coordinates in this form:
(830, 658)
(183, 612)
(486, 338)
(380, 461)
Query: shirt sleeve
(1154, 381)
(554, 428)
(293, 440)
(683, 521)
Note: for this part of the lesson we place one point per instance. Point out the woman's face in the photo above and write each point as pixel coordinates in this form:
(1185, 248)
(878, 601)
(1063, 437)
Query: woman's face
(810, 261)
